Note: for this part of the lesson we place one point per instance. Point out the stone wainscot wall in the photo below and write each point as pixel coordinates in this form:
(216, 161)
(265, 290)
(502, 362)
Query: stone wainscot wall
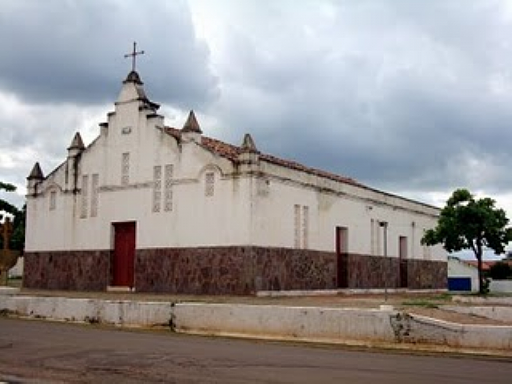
(237, 270)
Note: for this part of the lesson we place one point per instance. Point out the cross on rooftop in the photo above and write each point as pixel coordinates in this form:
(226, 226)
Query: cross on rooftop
(133, 55)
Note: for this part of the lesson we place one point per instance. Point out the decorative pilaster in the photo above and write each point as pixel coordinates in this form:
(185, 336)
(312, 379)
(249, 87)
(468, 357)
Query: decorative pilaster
(191, 130)
(34, 179)
(249, 156)
(75, 150)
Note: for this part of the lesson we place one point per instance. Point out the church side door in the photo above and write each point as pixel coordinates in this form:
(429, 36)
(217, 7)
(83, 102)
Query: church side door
(402, 256)
(342, 255)
(124, 254)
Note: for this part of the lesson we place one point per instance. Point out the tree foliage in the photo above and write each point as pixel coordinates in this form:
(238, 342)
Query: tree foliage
(469, 223)
(4, 205)
(18, 237)
(500, 271)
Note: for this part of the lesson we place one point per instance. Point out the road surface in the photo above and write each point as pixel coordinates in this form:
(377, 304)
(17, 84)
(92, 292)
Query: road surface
(44, 352)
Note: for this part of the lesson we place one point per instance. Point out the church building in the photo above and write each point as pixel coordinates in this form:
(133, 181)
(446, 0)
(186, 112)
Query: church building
(154, 208)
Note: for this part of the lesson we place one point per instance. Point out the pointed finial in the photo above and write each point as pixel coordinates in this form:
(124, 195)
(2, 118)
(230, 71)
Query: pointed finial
(248, 144)
(36, 173)
(133, 77)
(77, 142)
(191, 125)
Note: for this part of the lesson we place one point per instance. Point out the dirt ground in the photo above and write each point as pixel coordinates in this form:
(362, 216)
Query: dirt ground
(425, 304)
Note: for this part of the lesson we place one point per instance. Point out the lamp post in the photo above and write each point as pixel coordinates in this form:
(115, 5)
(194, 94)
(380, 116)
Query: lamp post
(384, 224)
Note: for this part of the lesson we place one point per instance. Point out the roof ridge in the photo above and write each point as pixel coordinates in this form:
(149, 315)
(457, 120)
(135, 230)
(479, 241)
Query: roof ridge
(231, 152)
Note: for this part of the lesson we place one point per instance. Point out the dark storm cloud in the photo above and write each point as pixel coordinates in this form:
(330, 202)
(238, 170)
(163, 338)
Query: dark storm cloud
(398, 94)
(72, 51)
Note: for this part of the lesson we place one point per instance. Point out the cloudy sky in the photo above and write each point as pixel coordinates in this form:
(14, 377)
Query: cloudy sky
(411, 97)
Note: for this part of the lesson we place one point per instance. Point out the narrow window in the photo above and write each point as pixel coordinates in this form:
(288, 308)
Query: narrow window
(341, 240)
(296, 209)
(169, 172)
(209, 186)
(378, 231)
(305, 226)
(413, 240)
(53, 200)
(157, 187)
(373, 237)
(125, 169)
(85, 196)
(94, 194)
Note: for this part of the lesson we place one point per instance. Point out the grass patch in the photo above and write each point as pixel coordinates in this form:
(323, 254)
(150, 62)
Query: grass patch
(443, 297)
(15, 282)
(420, 303)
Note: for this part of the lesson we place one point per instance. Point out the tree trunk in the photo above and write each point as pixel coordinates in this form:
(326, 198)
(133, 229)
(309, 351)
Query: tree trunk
(480, 272)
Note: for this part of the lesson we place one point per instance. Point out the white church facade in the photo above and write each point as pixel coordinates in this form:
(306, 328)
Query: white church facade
(160, 209)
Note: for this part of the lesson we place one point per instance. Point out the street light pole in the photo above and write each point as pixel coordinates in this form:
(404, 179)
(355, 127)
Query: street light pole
(384, 224)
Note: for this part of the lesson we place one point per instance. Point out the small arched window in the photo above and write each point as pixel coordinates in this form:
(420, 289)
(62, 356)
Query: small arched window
(53, 200)
(209, 184)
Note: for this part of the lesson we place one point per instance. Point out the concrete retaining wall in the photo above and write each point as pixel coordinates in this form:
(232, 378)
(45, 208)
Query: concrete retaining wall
(425, 330)
(344, 291)
(298, 323)
(488, 300)
(330, 325)
(501, 286)
(17, 270)
(336, 325)
(127, 313)
(490, 312)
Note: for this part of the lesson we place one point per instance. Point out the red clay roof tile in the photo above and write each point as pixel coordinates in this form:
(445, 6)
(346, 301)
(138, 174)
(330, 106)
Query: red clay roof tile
(231, 152)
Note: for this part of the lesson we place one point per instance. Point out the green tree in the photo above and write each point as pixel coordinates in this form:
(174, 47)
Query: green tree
(18, 236)
(469, 223)
(18, 239)
(500, 271)
(4, 205)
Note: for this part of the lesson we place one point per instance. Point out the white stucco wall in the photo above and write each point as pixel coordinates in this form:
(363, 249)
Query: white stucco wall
(195, 220)
(459, 268)
(337, 205)
(251, 205)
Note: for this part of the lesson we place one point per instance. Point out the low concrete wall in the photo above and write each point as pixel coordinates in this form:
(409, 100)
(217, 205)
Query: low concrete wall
(488, 300)
(125, 313)
(8, 290)
(420, 329)
(336, 325)
(500, 286)
(344, 291)
(490, 312)
(330, 325)
(291, 323)
(17, 270)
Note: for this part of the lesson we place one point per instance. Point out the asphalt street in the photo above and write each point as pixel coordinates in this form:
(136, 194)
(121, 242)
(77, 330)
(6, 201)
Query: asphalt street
(45, 352)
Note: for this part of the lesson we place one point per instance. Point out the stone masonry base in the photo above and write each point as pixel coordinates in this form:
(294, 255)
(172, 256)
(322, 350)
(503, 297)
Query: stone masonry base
(236, 270)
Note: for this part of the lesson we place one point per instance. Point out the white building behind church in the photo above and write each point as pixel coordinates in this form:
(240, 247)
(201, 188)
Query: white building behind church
(156, 208)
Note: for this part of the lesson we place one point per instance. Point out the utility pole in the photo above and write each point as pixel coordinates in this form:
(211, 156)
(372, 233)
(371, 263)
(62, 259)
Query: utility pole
(384, 224)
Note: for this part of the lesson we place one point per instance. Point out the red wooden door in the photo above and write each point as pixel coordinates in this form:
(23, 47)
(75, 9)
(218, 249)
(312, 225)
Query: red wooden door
(342, 255)
(402, 256)
(124, 254)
